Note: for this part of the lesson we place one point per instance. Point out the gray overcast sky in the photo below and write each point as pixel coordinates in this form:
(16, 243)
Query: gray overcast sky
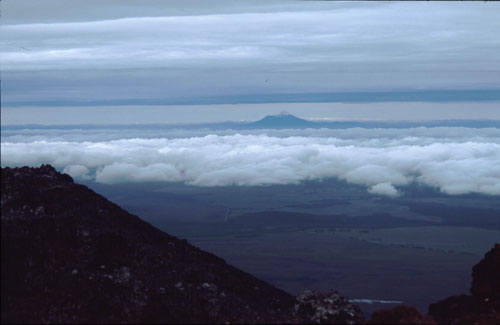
(74, 51)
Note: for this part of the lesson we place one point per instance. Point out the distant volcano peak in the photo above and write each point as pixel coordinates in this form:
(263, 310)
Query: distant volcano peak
(282, 120)
(283, 114)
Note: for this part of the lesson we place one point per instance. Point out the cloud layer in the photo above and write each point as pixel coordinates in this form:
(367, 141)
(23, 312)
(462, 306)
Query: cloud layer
(278, 47)
(454, 165)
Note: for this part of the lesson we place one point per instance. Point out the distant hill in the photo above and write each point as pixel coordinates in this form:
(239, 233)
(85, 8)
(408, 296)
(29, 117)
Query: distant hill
(283, 120)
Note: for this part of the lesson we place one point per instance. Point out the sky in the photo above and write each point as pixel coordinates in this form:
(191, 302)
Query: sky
(117, 62)
(115, 53)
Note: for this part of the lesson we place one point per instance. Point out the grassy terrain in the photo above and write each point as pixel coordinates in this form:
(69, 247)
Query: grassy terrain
(160, 202)
(417, 248)
(414, 265)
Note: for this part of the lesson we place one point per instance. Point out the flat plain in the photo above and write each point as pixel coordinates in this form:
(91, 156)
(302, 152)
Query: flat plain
(416, 249)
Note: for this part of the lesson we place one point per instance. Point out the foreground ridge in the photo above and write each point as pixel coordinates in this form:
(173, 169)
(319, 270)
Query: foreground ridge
(71, 256)
(68, 255)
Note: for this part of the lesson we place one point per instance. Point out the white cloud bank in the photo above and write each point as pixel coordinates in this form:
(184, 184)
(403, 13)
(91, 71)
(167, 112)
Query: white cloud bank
(453, 165)
(384, 189)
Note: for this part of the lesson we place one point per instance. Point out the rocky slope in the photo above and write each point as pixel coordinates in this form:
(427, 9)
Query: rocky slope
(70, 256)
(483, 306)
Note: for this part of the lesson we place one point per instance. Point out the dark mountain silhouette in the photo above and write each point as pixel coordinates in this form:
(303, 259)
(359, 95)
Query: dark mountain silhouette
(71, 256)
(483, 305)
(283, 120)
(68, 255)
(269, 122)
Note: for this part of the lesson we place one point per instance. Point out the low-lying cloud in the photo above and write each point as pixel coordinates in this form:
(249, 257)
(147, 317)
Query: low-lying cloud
(383, 165)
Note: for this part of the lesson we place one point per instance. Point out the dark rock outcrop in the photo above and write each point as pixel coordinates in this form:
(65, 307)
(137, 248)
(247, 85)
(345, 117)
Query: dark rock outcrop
(70, 256)
(325, 308)
(486, 276)
(483, 306)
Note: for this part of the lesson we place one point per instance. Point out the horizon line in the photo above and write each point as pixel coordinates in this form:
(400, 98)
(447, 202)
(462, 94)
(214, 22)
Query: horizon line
(440, 95)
